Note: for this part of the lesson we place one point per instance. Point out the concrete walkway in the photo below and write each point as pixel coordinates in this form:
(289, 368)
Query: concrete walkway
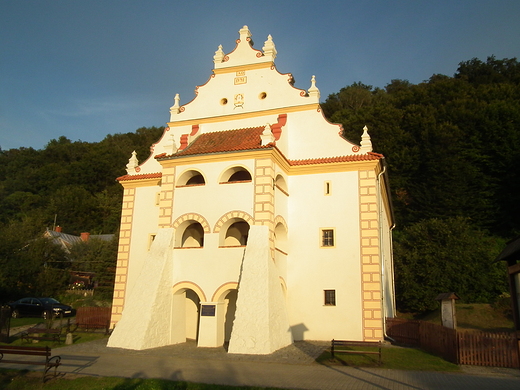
(292, 367)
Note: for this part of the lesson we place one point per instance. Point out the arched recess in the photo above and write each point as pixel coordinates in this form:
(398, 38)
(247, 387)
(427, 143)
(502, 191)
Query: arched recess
(281, 184)
(191, 177)
(189, 230)
(280, 234)
(227, 294)
(235, 174)
(192, 286)
(185, 311)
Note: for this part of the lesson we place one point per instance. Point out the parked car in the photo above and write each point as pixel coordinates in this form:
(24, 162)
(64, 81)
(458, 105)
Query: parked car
(40, 307)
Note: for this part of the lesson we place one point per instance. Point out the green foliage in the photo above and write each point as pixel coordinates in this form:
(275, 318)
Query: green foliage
(435, 256)
(74, 181)
(29, 264)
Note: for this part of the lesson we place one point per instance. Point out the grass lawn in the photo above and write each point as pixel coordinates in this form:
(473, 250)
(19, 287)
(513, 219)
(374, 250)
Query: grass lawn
(472, 317)
(397, 358)
(23, 380)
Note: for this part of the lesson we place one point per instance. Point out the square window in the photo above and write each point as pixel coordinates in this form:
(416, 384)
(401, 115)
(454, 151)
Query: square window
(327, 237)
(330, 297)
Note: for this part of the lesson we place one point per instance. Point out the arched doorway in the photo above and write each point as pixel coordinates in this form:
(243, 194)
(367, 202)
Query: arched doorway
(185, 312)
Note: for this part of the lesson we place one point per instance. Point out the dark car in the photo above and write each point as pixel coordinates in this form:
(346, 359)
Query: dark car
(40, 307)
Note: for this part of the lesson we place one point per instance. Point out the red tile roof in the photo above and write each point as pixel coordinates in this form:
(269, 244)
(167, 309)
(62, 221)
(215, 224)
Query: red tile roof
(139, 177)
(359, 157)
(223, 141)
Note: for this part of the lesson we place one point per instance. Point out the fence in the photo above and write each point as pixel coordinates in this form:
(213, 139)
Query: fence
(83, 292)
(479, 348)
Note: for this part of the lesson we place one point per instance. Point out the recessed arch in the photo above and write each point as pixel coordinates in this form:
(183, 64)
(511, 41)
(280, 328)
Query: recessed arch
(280, 234)
(181, 287)
(220, 294)
(192, 217)
(189, 235)
(281, 184)
(235, 233)
(191, 177)
(232, 214)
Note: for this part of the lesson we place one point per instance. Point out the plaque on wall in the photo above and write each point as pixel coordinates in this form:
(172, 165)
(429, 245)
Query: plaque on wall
(208, 310)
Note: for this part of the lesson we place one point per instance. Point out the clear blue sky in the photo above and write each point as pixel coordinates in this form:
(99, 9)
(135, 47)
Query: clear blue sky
(85, 69)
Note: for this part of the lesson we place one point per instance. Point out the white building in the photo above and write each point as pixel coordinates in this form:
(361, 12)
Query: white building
(253, 221)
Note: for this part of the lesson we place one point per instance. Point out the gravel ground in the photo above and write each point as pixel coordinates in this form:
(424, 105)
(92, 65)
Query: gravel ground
(301, 352)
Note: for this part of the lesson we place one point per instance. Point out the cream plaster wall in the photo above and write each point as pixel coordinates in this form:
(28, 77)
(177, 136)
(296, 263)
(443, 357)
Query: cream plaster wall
(145, 322)
(208, 267)
(312, 269)
(146, 214)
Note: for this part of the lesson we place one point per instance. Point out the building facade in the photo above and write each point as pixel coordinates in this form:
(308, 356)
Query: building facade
(253, 222)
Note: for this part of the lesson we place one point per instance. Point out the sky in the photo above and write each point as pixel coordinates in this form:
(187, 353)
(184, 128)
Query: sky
(84, 69)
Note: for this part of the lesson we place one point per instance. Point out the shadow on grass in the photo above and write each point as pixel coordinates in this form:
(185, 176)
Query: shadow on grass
(393, 357)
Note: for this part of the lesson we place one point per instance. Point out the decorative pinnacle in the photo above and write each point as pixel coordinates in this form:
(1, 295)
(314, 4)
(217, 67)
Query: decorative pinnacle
(175, 109)
(267, 135)
(132, 163)
(219, 55)
(313, 90)
(244, 33)
(269, 47)
(366, 143)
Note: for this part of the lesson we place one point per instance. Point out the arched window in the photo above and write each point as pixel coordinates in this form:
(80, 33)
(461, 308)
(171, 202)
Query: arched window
(191, 178)
(235, 175)
(190, 235)
(240, 176)
(197, 179)
(235, 234)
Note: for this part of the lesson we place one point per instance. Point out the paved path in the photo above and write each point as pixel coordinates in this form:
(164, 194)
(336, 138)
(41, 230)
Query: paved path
(293, 367)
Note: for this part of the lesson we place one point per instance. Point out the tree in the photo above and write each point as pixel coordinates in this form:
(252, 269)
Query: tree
(30, 265)
(446, 255)
(99, 257)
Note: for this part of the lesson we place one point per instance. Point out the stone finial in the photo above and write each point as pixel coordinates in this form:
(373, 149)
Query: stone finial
(175, 109)
(132, 163)
(313, 90)
(244, 34)
(219, 55)
(267, 135)
(366, 143)
(170, 147)
(269, 48)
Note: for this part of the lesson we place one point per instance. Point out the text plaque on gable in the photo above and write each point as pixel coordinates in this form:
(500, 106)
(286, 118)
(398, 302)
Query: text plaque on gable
(208, 311)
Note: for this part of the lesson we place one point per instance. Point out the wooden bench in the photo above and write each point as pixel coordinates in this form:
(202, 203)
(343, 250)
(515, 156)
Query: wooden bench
(41, 334)
(49, 362)
(344, 346)
(93, 318)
